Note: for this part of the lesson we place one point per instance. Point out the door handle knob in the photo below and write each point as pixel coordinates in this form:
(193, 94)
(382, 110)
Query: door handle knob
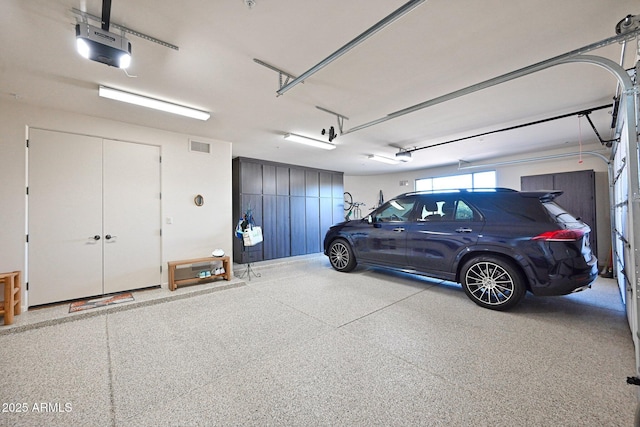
(109, 237)
(96, 237)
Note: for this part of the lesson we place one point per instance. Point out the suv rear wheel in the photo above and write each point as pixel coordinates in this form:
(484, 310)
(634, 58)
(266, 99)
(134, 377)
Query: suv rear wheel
(341, 256)
(492, 282)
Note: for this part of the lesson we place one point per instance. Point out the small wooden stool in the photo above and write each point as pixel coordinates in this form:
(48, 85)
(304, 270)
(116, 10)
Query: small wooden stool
(11, 305)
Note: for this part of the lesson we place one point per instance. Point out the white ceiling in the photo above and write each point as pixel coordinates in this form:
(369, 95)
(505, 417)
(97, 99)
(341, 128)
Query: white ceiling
(439, 47)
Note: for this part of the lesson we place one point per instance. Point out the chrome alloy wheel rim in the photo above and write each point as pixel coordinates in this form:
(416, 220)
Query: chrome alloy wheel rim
(489, 283)
(339, 256)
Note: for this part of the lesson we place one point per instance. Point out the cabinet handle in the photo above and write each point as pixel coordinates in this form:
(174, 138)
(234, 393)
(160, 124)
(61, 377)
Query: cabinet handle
(96, 237)
(109, 237)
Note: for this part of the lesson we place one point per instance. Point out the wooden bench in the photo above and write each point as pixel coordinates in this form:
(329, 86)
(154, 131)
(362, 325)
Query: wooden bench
(11, 305)
(173, 283)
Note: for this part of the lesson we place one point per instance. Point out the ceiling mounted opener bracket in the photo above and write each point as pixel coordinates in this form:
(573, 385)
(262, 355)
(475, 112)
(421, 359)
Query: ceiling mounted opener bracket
(281, 74)
(84, 16)
(340, 117)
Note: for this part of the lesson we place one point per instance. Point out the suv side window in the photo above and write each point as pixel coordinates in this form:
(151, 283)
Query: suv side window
(444, 208)
(464, 212)
(395, 210)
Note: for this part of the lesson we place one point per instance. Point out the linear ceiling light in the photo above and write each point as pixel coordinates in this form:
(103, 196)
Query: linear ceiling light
(382, 159)
(169, 107)
(308, 141)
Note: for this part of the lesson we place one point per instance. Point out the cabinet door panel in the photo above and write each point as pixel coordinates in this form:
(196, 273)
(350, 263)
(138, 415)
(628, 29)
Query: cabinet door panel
(253, 203)
(298, 238)
(282, 181)
(296, 182)
(311, 184)
(325, 184)
(251, 177)
(283, 227)
(312, 227)
(269, 227)
(268, 179)
(536, 182)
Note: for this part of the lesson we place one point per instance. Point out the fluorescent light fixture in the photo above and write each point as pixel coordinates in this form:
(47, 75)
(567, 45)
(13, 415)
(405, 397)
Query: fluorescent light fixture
(156, 104)
(308, 141)
(383, 159)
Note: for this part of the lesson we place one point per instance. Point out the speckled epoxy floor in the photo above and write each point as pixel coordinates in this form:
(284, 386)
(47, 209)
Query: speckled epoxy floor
(305, 345)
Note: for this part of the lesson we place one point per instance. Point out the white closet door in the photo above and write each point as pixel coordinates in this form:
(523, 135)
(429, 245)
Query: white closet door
(65, 198)
(132, 222)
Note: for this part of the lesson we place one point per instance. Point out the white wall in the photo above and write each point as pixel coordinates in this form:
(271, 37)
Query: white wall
(366, 188)
(195, 231)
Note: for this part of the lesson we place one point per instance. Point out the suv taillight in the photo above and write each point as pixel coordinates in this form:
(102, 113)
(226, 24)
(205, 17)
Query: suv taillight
(560, 236)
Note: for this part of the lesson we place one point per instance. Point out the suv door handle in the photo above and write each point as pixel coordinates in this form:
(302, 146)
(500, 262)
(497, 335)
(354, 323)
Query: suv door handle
(463, 230)
(399, 229)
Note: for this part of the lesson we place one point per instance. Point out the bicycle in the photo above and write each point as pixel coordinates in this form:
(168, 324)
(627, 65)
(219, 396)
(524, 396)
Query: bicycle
(352, 208)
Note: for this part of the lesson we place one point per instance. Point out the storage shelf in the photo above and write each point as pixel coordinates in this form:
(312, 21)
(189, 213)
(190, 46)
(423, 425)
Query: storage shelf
(173, 283)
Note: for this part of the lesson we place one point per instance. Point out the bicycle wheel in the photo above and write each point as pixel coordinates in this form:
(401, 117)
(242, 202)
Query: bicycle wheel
(348, 201)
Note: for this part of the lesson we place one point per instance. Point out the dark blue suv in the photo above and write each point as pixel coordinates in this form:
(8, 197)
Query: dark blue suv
(498, 243)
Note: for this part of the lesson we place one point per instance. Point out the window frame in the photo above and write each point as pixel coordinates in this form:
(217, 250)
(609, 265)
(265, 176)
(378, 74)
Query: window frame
(473, 176)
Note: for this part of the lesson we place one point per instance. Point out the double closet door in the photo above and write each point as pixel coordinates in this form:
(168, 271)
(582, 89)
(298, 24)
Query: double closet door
(93, 216)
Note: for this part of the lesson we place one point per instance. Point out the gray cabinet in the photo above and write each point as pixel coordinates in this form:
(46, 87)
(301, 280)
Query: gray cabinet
(294, 205)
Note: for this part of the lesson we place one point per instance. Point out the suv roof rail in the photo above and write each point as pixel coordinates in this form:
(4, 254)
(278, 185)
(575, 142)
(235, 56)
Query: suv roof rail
(463, 190)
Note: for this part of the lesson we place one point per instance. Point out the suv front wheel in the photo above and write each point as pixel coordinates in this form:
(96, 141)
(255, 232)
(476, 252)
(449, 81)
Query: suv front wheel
(492, 282)
(341, 256)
